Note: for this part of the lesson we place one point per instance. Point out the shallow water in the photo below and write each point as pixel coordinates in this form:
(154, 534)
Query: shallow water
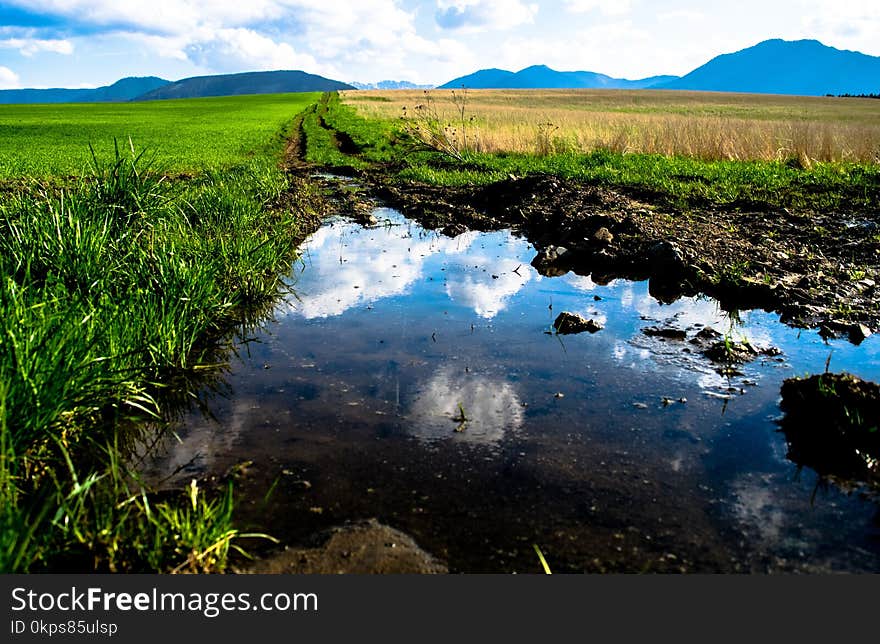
(611, 451)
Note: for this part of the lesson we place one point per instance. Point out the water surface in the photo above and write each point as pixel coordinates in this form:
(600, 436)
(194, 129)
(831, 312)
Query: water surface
(611, 451)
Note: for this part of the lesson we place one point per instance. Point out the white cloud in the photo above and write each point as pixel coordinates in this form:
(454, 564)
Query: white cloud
(854, 24)
(8, 79)
(595, 49)
(30, 46)
(605, 7)
(236, 49)
(483, 15)
(681, 15)
(377, 36)
(436, 40)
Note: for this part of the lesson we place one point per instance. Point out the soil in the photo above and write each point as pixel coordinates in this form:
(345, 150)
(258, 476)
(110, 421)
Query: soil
(831, 425)
(817, 270)
(365, 547)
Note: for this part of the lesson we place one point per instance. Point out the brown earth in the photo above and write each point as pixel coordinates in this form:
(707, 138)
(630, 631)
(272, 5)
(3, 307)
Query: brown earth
(818, 270)
(365, 547)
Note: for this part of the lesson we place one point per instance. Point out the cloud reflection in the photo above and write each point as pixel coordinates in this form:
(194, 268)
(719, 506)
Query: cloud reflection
(491, 406)
(348, 266)
(474, 280)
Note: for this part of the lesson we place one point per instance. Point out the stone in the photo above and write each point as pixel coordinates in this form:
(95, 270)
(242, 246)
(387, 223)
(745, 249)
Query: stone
(454, 230)
(603, 236)
(706, 336)
(858, 333)
(569, 323)
(667, 260)
(364, 547)
(667, 333)
(553, 261)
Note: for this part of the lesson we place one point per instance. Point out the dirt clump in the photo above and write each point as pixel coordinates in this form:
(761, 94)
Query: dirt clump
(364, 547)
(569, 323)
(816, 269)
(832, 425)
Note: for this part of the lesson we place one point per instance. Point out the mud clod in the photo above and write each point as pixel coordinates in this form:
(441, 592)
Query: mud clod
(667, 333)
(570, 323)
(831, 424)
(801, 265)
(365, 547)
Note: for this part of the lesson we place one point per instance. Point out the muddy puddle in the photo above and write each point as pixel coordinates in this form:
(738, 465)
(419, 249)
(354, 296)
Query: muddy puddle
(412, 377)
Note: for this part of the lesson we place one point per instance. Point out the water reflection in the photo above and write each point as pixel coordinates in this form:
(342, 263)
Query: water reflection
(473, 408)
(488, 289)
(347, 266)
(399, 337)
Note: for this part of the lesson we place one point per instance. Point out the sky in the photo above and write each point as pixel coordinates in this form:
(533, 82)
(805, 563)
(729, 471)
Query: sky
(89, 43)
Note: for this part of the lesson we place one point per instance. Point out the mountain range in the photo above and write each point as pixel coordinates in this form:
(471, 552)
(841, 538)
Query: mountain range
(542, 77)
(152, 88)
(390, 84)
(278, 82)
(802, 67)
(122, 90)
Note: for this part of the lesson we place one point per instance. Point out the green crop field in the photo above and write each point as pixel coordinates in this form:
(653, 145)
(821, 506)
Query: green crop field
(179, 135)
(825, 158)
(115, 283)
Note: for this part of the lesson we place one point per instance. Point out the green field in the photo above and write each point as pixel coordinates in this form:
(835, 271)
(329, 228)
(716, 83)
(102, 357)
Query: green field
(118, 290)
(182, 136)
(678, 160)
(116, 283)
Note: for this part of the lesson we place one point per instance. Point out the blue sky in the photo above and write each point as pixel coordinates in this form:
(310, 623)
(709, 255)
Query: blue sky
(87, 43)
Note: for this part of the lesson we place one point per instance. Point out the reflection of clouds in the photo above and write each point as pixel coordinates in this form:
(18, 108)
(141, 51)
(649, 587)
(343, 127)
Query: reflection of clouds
(581, 282)
(347, 266)
(478, 289)
(755, 507)
(491, 406)
(203, 445)
(685, 311)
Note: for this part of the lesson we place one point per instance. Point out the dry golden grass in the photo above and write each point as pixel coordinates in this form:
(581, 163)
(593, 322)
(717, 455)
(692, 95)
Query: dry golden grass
(709, 126)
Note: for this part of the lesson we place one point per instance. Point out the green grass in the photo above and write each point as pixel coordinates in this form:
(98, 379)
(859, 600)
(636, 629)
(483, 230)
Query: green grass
(680, 181)
(116, 290)
(183, 136)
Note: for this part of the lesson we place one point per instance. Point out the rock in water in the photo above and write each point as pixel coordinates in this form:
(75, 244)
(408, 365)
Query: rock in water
(553, 261)
(567, 323)
(858, 333)
(831, 424)
(365, 547)
(667, 260)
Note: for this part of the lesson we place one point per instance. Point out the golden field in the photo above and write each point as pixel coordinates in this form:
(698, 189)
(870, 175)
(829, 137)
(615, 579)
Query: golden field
(705, 125)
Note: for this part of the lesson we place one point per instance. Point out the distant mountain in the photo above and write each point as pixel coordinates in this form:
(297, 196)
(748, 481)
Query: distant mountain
(542, 77)
(390, 84)
(483, 79)
(278, 82)
(122, 90)
(804, 67)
